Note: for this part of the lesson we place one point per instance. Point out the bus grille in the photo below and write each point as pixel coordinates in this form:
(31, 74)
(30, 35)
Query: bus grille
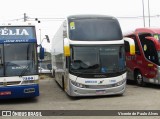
(100, 86)
(10, 83)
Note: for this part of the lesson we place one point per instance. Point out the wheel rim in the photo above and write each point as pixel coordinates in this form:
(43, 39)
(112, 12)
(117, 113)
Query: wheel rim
(139, 79)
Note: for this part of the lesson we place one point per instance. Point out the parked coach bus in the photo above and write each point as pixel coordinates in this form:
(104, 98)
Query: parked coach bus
(18, 62)
(144, 66)
(88, 56)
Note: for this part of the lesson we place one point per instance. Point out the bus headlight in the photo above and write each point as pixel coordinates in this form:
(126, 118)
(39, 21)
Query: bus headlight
(78, 84)
(120, 82)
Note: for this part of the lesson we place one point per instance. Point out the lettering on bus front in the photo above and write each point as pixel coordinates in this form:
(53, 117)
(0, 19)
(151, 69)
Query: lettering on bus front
(12, 41)
(11, 34)
(6, 31)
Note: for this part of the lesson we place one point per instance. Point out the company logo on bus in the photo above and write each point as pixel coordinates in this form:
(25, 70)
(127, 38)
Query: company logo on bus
(20, 32)
(100, 76)
(90, 81)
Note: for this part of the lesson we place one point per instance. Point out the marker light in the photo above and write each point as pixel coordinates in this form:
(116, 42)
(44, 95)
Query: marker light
(131, 44)
(66, 47)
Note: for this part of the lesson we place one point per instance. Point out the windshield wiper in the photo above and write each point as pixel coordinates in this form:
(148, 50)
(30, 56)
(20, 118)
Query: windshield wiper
(24, 71)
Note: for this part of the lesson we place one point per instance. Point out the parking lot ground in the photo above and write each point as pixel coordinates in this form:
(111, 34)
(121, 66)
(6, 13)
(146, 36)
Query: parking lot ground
(53, 98)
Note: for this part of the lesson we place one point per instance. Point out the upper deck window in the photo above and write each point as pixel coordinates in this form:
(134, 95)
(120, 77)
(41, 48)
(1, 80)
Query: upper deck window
(94, 29)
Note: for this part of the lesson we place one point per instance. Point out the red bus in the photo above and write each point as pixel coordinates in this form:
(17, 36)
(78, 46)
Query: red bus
(144, 66)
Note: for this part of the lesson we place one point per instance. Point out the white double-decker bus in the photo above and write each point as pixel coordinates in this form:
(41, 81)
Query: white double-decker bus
(88, 56)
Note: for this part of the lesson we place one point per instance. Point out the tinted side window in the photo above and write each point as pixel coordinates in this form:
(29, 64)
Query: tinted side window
(149, 48)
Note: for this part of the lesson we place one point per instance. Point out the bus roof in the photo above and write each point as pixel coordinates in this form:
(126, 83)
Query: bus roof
(143, 30)
(148, 30)
(17, 24)
(90, 17)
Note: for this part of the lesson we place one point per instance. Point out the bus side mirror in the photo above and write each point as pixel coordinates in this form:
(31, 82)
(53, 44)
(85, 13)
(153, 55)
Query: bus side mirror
(129, 45)
(47, 38)
(41, 54)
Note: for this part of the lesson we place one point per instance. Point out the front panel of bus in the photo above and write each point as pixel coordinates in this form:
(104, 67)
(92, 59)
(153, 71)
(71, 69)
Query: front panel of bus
(97, 67)
(18, 62)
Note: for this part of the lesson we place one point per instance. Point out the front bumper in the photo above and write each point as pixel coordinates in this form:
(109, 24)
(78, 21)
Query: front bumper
(76, 91)
(20, 91)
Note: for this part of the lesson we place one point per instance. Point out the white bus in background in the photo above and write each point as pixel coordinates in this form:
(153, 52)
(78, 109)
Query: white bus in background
(88, 56)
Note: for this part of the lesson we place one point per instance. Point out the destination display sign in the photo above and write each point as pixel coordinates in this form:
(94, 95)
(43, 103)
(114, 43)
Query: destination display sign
(17, 34)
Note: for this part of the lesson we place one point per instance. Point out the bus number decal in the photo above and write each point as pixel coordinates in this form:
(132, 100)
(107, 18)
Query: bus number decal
(28, 78)
(130, 58)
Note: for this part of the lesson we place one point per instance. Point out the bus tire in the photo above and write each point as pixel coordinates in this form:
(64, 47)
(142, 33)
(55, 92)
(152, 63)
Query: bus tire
(139, 78)
(53, 74)
(63, 88)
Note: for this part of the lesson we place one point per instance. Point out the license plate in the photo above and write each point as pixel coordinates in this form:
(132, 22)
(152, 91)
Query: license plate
(100, 92)
(5, 93)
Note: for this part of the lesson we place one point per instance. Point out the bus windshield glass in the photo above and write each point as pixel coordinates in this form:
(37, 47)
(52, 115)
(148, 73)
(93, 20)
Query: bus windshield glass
(95, 29)
(98, 59)
(18, 59)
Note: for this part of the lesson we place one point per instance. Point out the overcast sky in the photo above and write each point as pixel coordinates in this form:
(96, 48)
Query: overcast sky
(13, 10)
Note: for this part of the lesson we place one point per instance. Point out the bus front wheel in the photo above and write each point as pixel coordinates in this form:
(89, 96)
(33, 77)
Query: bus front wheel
(139, 79)
(53, 74)
(63, 88)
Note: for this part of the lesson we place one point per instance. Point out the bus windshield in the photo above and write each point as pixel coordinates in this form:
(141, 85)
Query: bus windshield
(18, 59)
(99, 29)
(98, 59)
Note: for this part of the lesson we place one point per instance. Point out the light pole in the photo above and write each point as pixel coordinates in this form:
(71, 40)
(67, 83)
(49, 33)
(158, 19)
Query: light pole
(40, 51)
(143, 13)
(149, 13)
(40, 35)
(25, 17)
